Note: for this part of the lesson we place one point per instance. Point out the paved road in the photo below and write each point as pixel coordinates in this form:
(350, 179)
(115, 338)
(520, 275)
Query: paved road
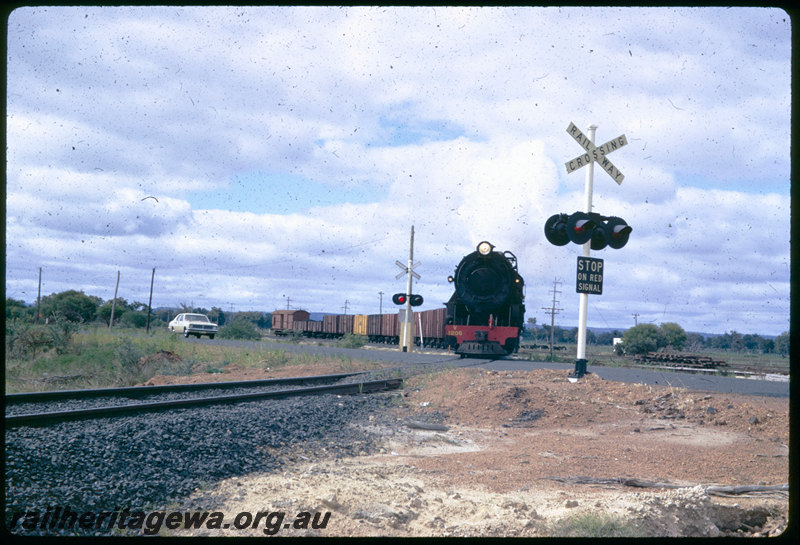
(663, 378)
(620, 374)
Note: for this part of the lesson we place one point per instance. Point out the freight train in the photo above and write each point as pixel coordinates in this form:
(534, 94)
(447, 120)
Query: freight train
(484, 316)
(379, 328)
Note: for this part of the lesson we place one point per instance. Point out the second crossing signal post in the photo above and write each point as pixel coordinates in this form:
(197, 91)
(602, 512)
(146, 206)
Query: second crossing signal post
(408, 298)
(408, 324)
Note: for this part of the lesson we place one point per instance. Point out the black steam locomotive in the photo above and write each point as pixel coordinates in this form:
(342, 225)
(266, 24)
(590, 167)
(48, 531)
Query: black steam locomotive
(486, 312)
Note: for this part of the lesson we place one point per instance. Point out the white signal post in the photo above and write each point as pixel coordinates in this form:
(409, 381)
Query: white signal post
(593, 154)
(587, 250)
(409, 270)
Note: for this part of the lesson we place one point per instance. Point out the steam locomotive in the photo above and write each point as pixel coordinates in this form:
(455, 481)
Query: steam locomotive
(486, 311)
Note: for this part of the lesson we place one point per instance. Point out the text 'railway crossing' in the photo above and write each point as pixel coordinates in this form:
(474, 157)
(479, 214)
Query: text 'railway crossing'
(594, 153)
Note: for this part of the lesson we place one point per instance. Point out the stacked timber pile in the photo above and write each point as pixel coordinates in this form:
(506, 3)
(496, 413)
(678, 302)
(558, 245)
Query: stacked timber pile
(676, 358)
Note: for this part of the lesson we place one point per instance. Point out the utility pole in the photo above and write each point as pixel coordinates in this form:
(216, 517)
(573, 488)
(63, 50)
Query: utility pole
(38, 296)
(553, 311)
(150, 302)
(345, 306)
(636, 319)
(380, 307)
(113, 304)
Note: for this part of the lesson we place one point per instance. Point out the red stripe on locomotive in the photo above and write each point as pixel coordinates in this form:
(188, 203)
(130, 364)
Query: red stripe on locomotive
(499, 334)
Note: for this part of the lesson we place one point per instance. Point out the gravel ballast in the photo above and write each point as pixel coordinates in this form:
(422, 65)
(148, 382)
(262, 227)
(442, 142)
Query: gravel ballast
(149, 461)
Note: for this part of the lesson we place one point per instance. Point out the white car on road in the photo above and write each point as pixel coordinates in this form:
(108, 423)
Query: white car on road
(193, 324)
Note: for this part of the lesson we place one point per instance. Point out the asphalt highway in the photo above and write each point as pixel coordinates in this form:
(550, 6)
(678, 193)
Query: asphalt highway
(620, 374)
(663, 378)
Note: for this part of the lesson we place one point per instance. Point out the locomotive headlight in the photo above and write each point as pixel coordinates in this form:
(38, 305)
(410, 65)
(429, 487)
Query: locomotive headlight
(484, 248)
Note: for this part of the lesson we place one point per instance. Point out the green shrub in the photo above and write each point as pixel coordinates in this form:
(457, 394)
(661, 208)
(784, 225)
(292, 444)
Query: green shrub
(134, 318)
(128, 354)
(351, 341)
(594, 524)
(782, 344)
(25, 340)
(61, 333)
(240, 329)
(642, 338)
(21, 338)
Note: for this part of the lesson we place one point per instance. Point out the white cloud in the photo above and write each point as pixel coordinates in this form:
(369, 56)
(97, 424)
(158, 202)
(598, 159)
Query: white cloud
(449, 119)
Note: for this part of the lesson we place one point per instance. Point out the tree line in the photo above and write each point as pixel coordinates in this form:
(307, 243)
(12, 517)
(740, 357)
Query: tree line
(78, 307)
(644, 338)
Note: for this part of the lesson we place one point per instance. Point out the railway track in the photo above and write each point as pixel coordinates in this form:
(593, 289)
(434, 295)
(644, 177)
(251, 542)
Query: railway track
(107, 402)
(94, 461)
(695, 363)
(22, 409)
(143, 391)
(733, 371)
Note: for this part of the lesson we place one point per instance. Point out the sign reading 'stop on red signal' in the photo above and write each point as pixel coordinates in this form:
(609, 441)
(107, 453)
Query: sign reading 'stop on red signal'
(590, 276)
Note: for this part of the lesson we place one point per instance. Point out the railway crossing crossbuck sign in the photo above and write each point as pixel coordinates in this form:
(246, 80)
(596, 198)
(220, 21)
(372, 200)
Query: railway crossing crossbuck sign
(597, 154)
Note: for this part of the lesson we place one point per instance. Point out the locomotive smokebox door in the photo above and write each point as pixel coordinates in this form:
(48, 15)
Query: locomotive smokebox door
(483, 283)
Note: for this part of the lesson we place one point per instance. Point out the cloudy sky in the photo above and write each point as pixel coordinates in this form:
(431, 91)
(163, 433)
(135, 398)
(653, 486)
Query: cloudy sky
(255, 155)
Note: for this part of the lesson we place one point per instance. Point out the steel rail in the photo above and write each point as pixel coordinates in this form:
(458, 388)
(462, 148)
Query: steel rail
(141, 391)
(40, 419)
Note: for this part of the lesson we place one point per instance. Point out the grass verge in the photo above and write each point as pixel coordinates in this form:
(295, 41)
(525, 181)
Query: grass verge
(594, 524)
(98, 358)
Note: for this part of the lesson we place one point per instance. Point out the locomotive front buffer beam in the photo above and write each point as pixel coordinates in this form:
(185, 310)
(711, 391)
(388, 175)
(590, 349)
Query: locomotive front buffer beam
(480, 340)
(477, 348)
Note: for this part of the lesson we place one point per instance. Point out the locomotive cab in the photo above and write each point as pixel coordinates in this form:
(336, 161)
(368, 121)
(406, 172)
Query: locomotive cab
(486, 311)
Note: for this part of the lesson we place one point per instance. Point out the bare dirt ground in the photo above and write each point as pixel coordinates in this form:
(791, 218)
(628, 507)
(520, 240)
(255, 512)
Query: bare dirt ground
(469, 452)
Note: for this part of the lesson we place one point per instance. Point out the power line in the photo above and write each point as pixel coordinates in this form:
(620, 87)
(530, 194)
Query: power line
(553, 311)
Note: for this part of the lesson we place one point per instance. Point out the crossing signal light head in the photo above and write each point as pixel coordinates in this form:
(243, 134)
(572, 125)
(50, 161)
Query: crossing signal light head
(583, 227)
(580, 227)
(617, 232)
(555, 230)
(599, 240)
(399, 298)
(416, 300)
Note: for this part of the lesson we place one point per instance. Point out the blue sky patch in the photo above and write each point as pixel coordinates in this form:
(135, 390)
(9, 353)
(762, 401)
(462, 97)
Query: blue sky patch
(402, 132)
(265, 193)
